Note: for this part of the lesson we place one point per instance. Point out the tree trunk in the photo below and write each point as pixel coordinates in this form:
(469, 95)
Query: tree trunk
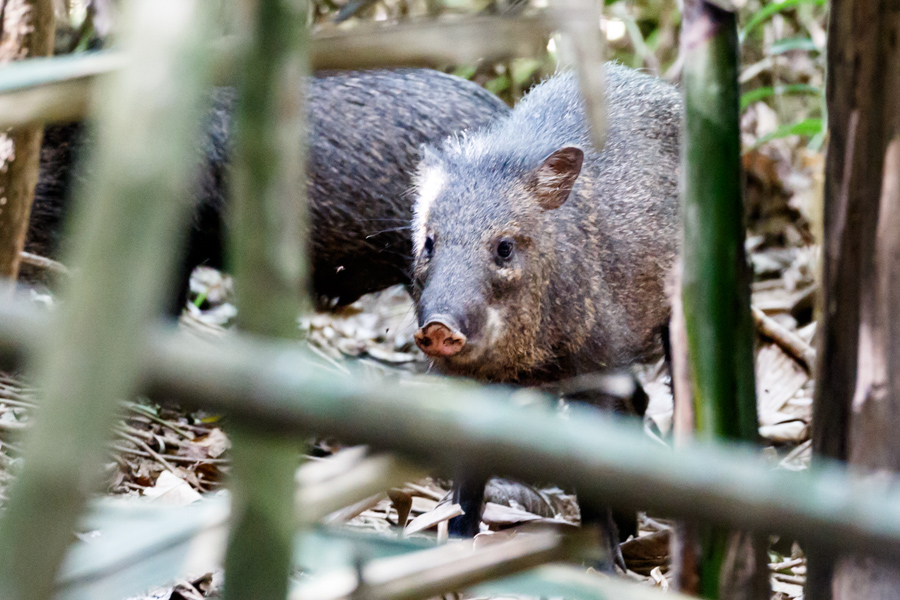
(26, 30)
(857, 401)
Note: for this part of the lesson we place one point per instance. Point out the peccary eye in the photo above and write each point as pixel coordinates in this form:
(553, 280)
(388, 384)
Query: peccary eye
(429, 246)
(505, 249)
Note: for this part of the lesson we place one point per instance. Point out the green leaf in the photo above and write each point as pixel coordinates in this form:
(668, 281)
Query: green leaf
(766, 13)
(797, 43)
(201, 298)
(465, 71)
(497, 85)
(807, 127)
(524, 68)
(755, 95)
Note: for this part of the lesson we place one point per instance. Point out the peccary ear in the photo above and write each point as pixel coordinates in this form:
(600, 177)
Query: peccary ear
(554, 179)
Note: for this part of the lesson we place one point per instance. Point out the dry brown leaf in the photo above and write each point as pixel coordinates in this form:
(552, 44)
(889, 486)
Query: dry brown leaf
(660, 579)
(778, 378)
(790, 431)
(502, 516)
(172, 490)
(443, 512)
(791, 590)
(402, 502)
(215, 442)
(422, 505)
(647, 552)
(515, 494)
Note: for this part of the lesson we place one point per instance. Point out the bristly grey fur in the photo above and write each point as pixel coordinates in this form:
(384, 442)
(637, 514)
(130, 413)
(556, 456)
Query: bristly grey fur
(365, 129)
(587, 289)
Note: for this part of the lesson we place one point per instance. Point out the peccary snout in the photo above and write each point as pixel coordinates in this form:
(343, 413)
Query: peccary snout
(439, 337)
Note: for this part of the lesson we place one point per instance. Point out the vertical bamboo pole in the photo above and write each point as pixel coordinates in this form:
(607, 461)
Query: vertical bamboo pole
(268, 256)
(29, 28)
(124, 245)
(715, 275)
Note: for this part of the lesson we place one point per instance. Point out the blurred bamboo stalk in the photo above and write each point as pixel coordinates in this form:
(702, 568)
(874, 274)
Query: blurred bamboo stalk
(127, 559)
(30, 32)
(59, 89)
(268, 254)
(715, 282)
(583, 48)
(125, 243)
(611, 461)
(429, 573)
(53, 90)
(119, 563)
(431, 44)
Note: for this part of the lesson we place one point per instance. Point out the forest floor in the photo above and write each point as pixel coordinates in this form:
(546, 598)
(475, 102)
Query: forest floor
(163, 453)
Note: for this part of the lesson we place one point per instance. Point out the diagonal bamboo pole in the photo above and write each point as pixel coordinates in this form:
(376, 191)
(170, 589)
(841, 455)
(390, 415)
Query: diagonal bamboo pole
(58, 89)
(282, 388)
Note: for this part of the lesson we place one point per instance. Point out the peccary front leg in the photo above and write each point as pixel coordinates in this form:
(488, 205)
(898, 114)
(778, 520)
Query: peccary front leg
(621, 393)
(603, 519)
(468, 492)
(203, 246)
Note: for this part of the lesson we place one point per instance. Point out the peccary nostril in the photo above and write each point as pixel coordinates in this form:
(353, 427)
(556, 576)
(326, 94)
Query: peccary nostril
(436, 339)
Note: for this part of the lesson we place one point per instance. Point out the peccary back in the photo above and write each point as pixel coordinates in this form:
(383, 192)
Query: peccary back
(538, 258)
(365, 133)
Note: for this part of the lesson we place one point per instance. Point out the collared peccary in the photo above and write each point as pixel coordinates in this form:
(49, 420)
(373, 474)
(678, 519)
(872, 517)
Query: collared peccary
(365, 133)
(538, 258)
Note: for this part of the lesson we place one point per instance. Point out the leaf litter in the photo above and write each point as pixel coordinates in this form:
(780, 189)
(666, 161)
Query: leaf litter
(173, 456)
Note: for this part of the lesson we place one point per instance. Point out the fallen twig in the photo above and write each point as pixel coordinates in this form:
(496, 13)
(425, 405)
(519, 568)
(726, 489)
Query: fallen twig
(787, 340)
(42, 262)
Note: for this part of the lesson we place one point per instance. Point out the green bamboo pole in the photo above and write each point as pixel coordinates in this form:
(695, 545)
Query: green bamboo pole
(279, 387)
(715, 276)
(149, 120)
(269, 260)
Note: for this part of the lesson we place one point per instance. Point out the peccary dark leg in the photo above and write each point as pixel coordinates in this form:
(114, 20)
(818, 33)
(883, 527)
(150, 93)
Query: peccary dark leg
(667, 354)
(204, 246)
(181, 288)
(195, 254)
(468, 492)
(604, 519)
(610, 392)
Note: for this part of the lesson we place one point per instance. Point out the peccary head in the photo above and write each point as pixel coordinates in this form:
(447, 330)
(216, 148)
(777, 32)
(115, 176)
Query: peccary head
(536, 256)
(485, 251)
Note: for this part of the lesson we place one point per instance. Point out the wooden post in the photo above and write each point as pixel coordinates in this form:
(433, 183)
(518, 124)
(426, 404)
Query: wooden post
(856, 408)
(27, 29)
